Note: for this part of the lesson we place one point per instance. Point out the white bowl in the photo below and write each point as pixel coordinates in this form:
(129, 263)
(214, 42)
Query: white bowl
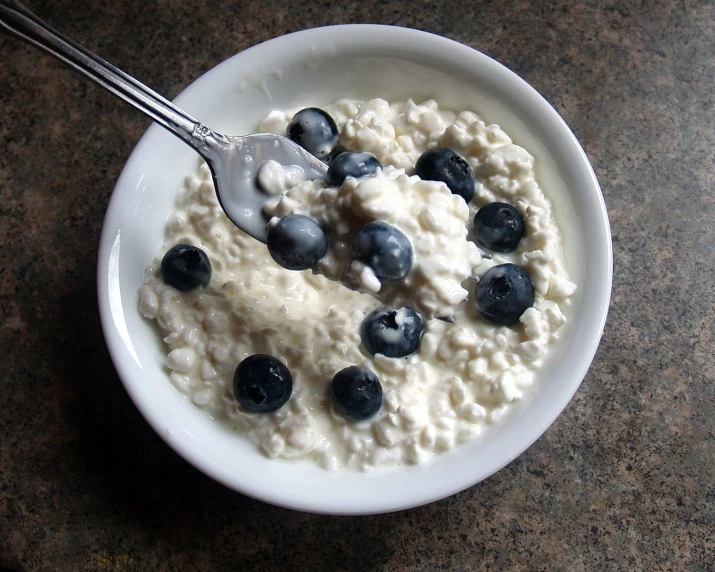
(313, 68)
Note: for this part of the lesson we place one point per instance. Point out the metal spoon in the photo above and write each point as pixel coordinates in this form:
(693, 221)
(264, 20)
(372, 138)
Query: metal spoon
(233, 161)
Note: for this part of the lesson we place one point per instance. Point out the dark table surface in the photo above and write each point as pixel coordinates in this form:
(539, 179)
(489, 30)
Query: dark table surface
(623, 480)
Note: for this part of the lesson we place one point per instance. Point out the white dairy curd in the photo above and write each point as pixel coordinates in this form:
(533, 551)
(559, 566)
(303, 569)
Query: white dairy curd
(464, 375)
(432, 218)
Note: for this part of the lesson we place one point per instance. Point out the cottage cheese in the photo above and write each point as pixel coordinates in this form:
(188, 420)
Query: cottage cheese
(465, 374)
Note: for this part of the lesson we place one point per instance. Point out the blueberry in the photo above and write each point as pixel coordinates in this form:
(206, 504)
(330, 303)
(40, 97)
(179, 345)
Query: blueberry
(385, 249)
(297, 242)
(446, 166)
(262, 384)
(498, 227)
(392, 332)
(185, 267)
(504, 293)
(352, 165)
(314, 130)
(357, 392)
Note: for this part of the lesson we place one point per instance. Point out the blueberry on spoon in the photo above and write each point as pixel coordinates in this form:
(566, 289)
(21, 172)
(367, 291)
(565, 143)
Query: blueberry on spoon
(297, 242)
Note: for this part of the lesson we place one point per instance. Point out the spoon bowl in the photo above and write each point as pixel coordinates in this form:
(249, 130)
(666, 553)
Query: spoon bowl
(234, 163)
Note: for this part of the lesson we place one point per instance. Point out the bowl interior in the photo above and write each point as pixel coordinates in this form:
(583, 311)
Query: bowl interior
(314, 68)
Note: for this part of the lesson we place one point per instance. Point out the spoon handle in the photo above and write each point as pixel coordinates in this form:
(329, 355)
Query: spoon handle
(17, 18)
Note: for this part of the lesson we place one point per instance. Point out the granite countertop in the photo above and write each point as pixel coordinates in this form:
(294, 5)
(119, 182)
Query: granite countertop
(623, 480)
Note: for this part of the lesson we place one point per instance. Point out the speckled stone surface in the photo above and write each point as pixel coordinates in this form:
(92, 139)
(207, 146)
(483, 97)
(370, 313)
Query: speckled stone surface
(625, 478)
